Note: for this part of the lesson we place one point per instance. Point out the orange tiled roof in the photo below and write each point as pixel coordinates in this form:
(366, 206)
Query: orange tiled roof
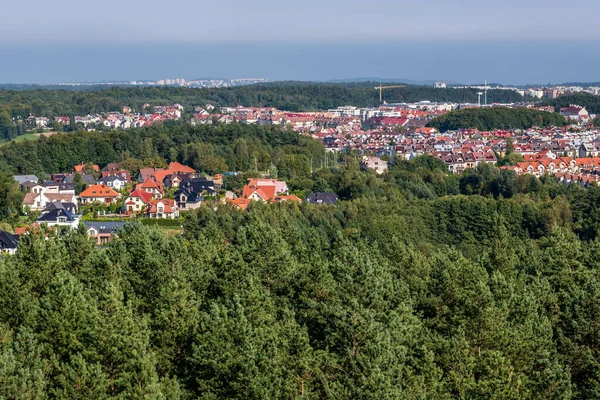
(98, 191)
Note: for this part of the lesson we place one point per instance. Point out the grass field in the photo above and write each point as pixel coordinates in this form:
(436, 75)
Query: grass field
(29, 136)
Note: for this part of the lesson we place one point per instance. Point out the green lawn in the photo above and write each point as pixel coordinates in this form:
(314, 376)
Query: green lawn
(22, 138)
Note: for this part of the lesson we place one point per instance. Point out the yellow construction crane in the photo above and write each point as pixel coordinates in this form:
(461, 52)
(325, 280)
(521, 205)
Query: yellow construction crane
(381, 87)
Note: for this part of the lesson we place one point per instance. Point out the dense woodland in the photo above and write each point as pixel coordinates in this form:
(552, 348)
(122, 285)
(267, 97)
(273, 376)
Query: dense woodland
(587, 100)
(417, 284)
(486, 119)
(290, 96)
(210, 149)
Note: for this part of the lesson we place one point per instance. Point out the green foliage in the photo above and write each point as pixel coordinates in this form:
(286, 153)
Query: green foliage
(486, 119)
(416, 284)
(587, 100)
(209, 149)
(10, 197)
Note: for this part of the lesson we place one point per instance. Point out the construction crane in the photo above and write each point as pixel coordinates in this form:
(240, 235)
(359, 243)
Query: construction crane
(380, 88)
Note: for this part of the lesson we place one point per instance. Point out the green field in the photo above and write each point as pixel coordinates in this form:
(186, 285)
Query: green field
(23, 138)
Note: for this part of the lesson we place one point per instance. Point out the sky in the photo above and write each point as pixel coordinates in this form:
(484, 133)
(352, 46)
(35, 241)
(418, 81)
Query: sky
(524, 41)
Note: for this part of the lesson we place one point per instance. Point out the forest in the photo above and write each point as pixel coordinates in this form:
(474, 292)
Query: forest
(587, 100)
(486, 119)
(417, 285)
(209, 149)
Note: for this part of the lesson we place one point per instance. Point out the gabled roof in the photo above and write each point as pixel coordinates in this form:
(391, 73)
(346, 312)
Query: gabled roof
(291, 197)
(53, 215)
(145, 197)
(87, 178)
(150, 184)
(21, 179)
(322, 198)
(100, 191)
(79, 168)
(241, 203)
(8, 240)
(146, 173)
(30, 198)
(177, 168)
(105, 227)
(63, 198)
(169, 206)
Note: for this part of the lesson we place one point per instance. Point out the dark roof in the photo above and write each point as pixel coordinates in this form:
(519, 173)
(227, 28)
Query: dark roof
(57, 205)
(89, 179)
(322, 198)
(25, 178)
(198, 185)
(112, 178)
(105, 227)
(61, 186)
(8, 240)
(113, 166)
(192, 197)
(53, 215)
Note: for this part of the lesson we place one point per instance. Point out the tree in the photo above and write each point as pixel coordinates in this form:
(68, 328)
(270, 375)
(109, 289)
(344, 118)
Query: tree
(10, 196)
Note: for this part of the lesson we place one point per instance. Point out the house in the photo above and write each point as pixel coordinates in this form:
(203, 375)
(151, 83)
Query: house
(322, 198)
(589, 150)
(146, 173)
(79, 168)
(375, 163)
(8, 242)
(162, 208)
(191, 192)
(85, 178)
(111, 167)
(57, 215)
(240, 203)
(175, 168)
(266, 189)
(116, 172)
(116, 182)
(39, 201)
(70, 207)
(175, 180)
(103, 232)
(151, 186)
(574, 111)
(137, 201)
(22, 179)
(34, 202)
(98, 193)
(41, 122)
(291, 197)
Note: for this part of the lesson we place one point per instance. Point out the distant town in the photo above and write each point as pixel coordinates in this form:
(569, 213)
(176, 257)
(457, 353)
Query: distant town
(177, 82)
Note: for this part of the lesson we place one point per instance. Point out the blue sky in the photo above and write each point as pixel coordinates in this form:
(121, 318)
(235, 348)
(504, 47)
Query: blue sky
(464, 40)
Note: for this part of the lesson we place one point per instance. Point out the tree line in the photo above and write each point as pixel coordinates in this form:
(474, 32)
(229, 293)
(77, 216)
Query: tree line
(587, 100)
(486, 119)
